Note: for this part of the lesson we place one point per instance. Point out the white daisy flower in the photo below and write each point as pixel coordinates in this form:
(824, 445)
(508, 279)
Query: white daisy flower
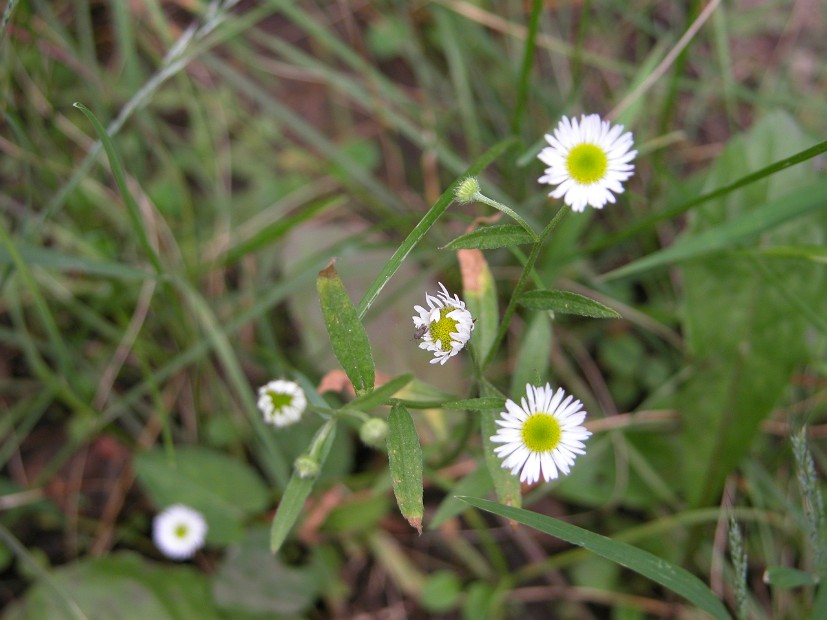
(444, 327)
(587, 161)
(541, 435)
(282, 402)
(179, 531)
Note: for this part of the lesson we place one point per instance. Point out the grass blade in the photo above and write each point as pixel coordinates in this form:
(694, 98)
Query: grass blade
(120, 181)
(749, 225)
(657, 569)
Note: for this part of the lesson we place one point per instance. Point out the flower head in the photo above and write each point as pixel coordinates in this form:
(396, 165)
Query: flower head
(587, 161)
(282, 402)
(179, 531)
(444, 327)
(541, 435)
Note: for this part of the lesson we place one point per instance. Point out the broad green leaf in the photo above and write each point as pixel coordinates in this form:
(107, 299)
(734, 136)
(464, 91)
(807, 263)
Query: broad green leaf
(380, 395)
(405, 461)
(298, 489)
(440, 592)
(491, 237)
(225, 490)
(347, 334)
(665, 573)
(566, 302)
(785, 577)
(250, 579)
(122, 586)
(744, 328)
(506, 486)
(480, 294)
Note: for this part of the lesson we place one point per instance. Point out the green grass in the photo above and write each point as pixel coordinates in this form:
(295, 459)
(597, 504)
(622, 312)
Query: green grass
(175, 175)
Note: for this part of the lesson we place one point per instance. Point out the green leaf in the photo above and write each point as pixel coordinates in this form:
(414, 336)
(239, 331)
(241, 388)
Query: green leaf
(657, 569)
(122, 586)
(52, 259)
(785, 577)
(566, 302)
(405, 461)
(298, 489)
(480, 293)
(475, 404)
(225, 490)
(491, 237)
(250, 579)
(732, 232)
(440, 592)
(506, 486)
(120, 180)
(347, 334)
(380, 395)
(533, 353)
(744, 329)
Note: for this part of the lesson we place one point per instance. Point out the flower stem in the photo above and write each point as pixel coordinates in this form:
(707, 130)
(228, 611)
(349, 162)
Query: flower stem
(529, 265)
(508, 211)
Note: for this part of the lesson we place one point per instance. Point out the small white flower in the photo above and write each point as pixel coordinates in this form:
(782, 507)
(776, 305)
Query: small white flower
(179, 531)
(282, 402)
(587, 161)
(444, 327)
(541, 435)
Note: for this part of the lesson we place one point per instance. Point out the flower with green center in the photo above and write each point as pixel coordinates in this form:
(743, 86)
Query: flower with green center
(588, 160)
(444, 327)
(179, 531)
(282, 402)
(542, 435)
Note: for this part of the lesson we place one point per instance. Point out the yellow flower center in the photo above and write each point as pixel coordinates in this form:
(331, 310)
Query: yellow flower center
(587, 163)
(280, 400)
(541, 432)
(181, 531)
(442, 328)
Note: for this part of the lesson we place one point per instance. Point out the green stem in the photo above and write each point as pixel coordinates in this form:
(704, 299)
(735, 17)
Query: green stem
(428, 220)
(508, 211)
(512, 303)
(525, 67)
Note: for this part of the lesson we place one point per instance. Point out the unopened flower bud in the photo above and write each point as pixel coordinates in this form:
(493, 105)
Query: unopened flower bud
(374, 432)
(306, 467)
(467, 190)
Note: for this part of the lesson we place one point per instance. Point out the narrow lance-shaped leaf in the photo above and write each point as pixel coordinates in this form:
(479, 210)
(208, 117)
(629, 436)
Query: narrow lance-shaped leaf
(480, 292)
(298, 489)
(491, 237)
(506, 485)
(405, 460)
(381, 394)
(566, 302)
(657, 569)
(347, 334)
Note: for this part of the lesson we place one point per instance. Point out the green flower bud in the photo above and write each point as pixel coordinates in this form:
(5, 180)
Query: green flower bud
(467, 190)
(306, 467)
(374, 432)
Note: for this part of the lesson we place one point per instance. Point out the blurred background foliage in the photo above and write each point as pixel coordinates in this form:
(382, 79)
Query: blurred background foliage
(261, 138)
